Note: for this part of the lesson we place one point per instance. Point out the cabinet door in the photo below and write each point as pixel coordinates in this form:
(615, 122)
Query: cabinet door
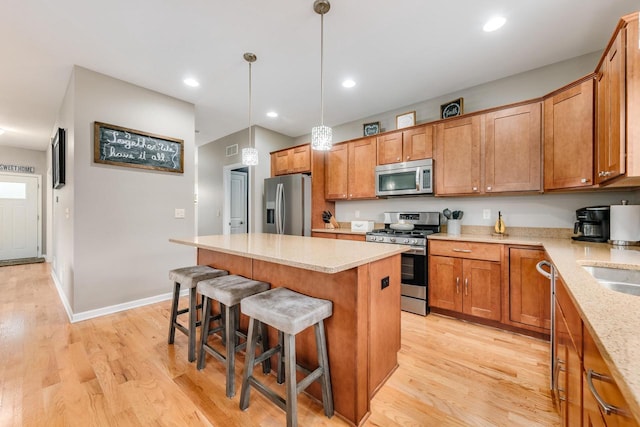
(610, 105)
(356, 237)
(513, 149)
(361, 170)
(445, 283)
(390, 148)
(336, 172)
(417, 143)
(560, 344)
(529, 291)
(300, 159)
(481, 289)
(457, 156)
(281, 160)
(568, 138)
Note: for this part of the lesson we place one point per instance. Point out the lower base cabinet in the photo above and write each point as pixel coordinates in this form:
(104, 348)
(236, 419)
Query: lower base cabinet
(341, 236)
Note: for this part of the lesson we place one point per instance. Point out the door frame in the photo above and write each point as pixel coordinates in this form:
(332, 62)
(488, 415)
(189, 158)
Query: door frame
(39, 204)
(226, 185)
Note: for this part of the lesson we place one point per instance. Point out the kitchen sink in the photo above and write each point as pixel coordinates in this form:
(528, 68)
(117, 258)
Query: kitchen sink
(617, 279)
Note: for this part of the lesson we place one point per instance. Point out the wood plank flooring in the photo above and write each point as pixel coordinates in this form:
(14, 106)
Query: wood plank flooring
(118, 370)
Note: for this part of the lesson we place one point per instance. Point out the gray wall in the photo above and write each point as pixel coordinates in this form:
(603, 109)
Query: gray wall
(211, 162)
(37, 159)
(112, 224)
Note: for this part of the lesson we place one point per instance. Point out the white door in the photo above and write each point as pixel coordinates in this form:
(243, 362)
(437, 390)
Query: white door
(18, 217)
(238, 202)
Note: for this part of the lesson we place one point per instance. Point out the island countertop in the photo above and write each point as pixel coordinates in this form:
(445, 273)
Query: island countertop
(316, 254)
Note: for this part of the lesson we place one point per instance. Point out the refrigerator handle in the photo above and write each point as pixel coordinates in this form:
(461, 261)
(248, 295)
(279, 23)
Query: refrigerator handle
(277, 209)
(283, 218)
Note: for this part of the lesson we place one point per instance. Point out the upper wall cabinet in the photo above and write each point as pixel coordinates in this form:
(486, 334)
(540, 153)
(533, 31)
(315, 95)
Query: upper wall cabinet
(568, 137)
(350, 170)
(291, 160)
(496, 152)
(403, 146)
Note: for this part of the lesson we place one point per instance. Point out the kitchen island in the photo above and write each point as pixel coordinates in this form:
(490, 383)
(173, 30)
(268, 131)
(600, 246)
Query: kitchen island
(361, 279)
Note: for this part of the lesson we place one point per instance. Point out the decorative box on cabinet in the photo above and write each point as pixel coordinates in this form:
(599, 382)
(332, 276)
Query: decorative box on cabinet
(403, 146)
(465, 277)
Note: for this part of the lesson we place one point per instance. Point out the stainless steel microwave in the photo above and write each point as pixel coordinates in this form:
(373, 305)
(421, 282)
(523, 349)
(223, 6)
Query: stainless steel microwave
(405, 179)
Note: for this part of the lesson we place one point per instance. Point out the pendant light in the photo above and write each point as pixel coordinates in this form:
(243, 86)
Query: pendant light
(321, 135)
(250, 154)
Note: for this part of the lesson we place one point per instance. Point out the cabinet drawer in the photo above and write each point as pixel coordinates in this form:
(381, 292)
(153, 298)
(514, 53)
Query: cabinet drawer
(469, 250)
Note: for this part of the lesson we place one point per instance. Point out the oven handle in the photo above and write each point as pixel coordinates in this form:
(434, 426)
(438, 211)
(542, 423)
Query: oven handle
(416, 251)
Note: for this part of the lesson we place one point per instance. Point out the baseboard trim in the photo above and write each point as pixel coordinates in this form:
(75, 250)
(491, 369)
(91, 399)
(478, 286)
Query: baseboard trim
(103, 311)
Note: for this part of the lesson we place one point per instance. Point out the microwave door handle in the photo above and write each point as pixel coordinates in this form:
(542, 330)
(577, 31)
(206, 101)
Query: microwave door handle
(418, 173)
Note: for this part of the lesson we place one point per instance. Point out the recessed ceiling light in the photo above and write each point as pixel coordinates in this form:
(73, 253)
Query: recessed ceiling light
(1, 131)
(494, 23)
(272, 114)
(189, 81)
(348, 83)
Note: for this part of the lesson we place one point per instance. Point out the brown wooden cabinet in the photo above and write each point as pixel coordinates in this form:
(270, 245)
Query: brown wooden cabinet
(610, 111)
(403, 146)
(529, 292)
(291, 160)
(495, 152)
(465, 277)
(341, 236)
(350, 170)
(568, 136)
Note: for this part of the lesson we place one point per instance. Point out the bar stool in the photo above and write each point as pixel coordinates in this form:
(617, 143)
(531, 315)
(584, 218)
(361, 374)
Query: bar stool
(228, 291)
(188, 276)
(290, 313)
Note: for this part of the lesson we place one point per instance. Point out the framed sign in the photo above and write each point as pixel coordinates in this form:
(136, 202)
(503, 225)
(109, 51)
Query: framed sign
(451, 108)
(369, 129)
(58, 159)
(119, 146)
(405, 120)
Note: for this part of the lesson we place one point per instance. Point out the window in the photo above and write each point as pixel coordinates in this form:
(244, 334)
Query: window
(13, 190)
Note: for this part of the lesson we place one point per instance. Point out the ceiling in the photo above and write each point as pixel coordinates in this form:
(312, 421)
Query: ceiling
(398, 52)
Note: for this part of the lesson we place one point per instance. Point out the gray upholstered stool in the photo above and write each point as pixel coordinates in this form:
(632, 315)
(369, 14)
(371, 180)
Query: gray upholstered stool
(228, 291)
(290, 313)
(189, 277)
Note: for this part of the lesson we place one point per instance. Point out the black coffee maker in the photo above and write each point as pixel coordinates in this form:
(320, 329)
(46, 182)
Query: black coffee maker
(592, 224)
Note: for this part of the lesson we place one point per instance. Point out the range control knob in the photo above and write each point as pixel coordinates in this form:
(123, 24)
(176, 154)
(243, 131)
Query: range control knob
(392, 239)
(414, 241)
(380, 239)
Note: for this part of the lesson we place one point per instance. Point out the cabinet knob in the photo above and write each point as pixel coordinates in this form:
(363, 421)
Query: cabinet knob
(475, 189)
(408, 157)
(398, 158)
(350, 195)
(489, 188)
(585, 180)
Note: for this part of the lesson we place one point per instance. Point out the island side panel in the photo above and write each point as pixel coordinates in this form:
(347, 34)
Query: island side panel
(232, 263)
(384, 324)
(346, 343)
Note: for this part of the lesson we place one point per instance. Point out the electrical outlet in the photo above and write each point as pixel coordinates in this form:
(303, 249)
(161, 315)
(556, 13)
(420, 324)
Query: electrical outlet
(486, 214)
(179, 213)
(357, 214)
(384, 282)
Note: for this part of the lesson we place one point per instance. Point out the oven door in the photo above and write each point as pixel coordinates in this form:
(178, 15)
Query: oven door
(414, 281)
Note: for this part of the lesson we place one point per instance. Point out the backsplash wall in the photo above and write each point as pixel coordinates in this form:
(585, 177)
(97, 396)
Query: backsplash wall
(543, 210)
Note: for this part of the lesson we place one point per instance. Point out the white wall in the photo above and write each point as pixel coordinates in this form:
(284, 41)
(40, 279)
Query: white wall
(112, 243)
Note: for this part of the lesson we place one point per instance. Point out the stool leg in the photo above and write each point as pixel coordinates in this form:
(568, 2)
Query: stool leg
(174, 312)
(230, 331)
(280, 377)
(290, 380)
(206, 320)
(264, 346)
(252, 336)
(193, 320)
(323, 361)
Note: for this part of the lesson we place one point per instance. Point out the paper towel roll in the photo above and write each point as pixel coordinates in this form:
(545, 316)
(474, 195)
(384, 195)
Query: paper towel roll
(625, 223)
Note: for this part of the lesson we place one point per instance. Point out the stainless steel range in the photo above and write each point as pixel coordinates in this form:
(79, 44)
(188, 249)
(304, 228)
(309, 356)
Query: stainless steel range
(410, 228)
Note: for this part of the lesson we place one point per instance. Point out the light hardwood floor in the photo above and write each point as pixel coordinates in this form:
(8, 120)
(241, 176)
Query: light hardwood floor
(118, 370)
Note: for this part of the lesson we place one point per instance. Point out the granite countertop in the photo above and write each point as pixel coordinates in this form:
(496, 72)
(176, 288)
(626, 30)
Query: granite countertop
(612, 318)
(323, 255)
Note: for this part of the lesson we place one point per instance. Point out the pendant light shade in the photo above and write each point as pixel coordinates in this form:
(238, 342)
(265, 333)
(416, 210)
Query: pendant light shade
(250, 154)
(321, 136)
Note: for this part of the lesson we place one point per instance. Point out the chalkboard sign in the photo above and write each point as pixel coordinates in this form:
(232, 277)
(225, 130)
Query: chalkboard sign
(115, 145)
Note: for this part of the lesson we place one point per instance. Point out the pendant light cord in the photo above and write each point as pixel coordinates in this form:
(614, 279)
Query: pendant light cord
(322, 69)
(250, 139)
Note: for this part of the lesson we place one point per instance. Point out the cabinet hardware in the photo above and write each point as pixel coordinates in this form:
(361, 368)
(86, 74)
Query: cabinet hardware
(466, 286)
(475, 188)
(408, 157)
(585, 180)
(606, 407)
(489, 188)
(457, 285)
(466, 251)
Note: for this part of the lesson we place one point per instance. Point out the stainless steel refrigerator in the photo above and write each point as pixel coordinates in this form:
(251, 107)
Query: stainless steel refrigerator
(287, 205)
